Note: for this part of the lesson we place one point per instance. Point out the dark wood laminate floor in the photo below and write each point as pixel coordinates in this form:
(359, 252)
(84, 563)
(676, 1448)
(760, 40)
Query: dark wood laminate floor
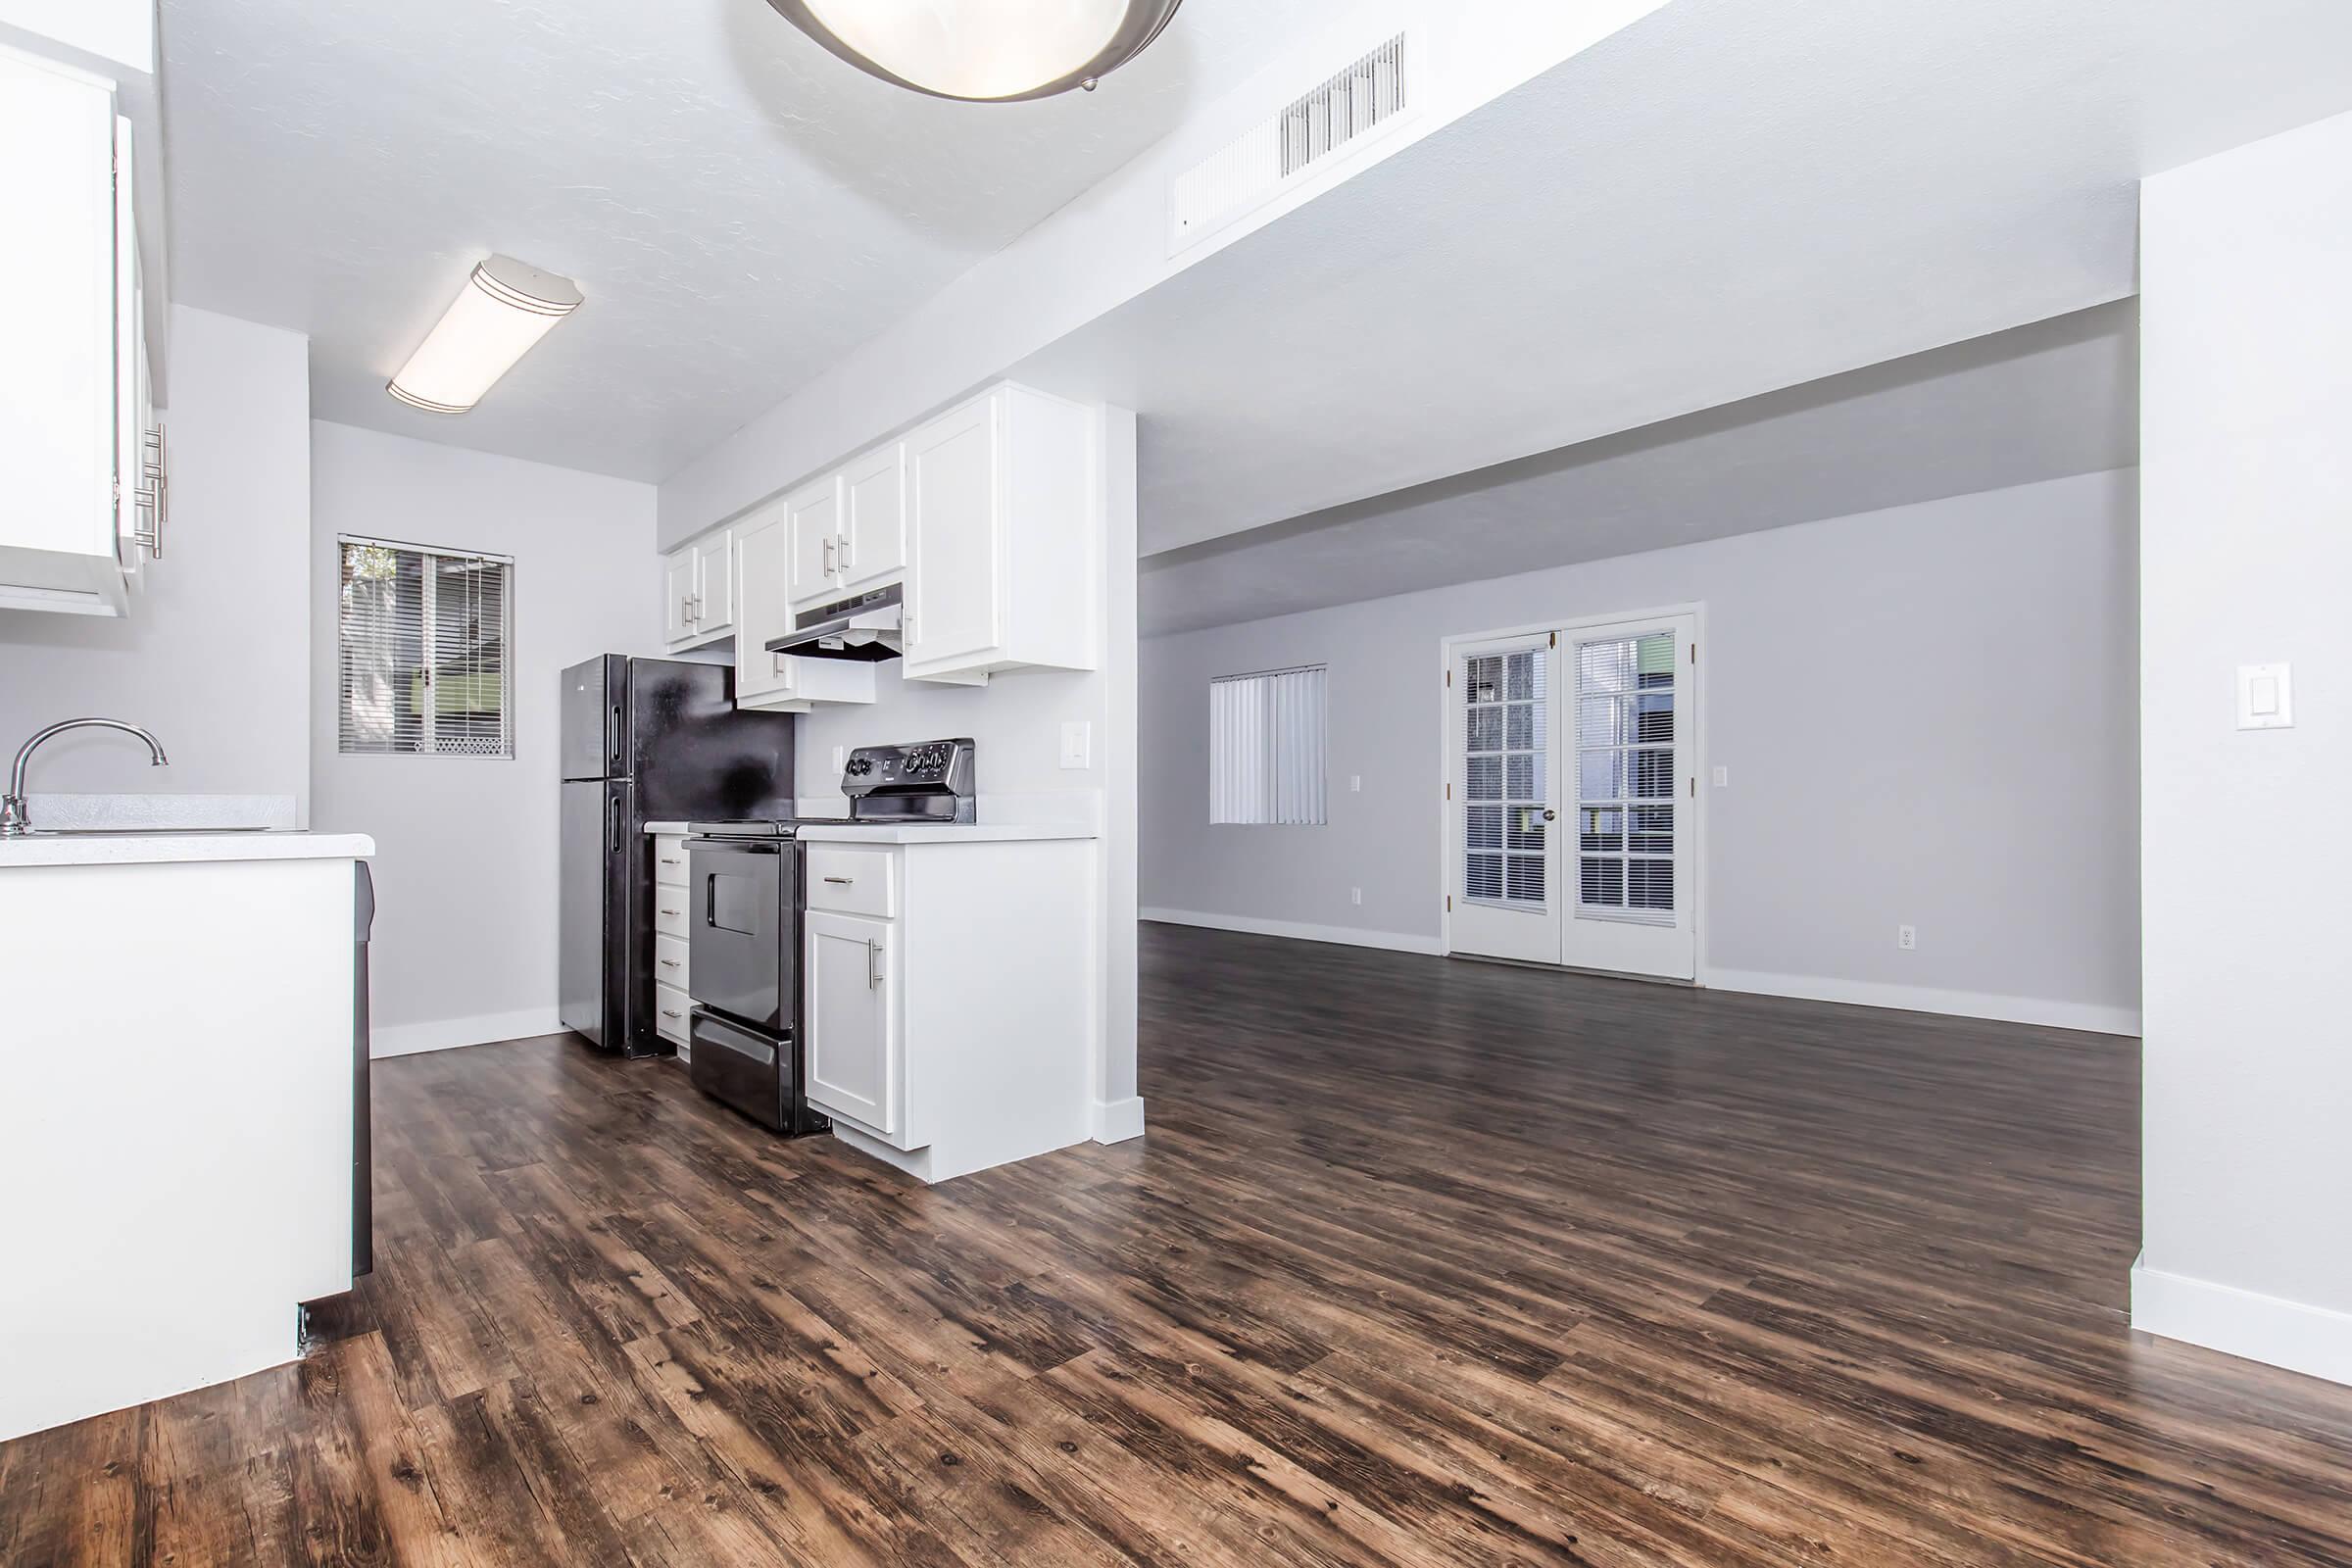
(1421, 1263)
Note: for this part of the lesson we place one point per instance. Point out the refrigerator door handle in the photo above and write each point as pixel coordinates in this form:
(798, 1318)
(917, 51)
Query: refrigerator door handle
(615, 732)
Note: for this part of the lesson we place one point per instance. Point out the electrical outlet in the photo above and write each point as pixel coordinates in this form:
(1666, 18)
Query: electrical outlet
(1077, 744)
(1906, 937)
(1355, 786)
(1355, 894)
(1722, 777)
(841, 760)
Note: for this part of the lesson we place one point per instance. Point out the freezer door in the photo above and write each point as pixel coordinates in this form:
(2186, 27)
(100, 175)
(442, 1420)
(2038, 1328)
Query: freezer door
(592, 916)
(695, 758)
(595, 738)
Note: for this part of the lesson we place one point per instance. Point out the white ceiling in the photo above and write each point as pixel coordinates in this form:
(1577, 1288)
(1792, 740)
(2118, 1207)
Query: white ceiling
(740, 207)
(1727, 197)
(2038, 402)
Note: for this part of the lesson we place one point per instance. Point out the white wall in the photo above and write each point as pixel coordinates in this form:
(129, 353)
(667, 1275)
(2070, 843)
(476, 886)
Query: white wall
(1927, 715)
(466, 875)
(2246, 435)
(215, 657)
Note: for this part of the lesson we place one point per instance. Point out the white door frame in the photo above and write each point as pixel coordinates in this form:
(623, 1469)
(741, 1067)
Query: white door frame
(1702, 968)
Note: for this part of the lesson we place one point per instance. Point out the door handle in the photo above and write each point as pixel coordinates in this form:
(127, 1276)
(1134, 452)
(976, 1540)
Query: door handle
(841, 881)
(873, 962)
(615, 732)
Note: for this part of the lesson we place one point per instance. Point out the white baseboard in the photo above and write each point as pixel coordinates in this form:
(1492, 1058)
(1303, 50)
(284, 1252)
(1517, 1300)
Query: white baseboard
(1343, 935)
(1117, 1120)
(444, 1034)
(2085, 1015)
(2312, 1339)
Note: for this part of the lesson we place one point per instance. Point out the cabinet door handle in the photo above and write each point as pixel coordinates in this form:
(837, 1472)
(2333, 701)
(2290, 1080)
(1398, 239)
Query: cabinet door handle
(841, 550)
(686, 610)
(841, 881)
(832, 546)
(873, 962)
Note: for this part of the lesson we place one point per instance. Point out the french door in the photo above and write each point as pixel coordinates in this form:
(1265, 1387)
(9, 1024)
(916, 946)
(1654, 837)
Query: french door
(1573, 798)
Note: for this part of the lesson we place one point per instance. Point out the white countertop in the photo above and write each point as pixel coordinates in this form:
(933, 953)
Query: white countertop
(150, 849)
(944, 833)
(923, 832)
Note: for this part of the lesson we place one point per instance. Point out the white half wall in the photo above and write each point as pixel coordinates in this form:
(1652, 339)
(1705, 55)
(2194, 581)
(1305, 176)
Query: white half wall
(215, 655)
(1926, 712)
(464, 945)
(2246, 438)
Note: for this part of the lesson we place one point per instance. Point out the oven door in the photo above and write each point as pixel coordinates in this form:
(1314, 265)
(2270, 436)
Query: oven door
(739, 929)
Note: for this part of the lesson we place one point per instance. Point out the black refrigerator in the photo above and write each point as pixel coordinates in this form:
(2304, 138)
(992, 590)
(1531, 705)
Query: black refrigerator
(644, 740)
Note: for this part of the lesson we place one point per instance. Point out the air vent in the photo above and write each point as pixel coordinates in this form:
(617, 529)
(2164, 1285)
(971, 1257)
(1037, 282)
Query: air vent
(1278, 152)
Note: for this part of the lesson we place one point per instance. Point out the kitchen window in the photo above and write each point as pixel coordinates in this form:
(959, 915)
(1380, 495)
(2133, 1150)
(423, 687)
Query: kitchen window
(423, 635)
(1266, 748)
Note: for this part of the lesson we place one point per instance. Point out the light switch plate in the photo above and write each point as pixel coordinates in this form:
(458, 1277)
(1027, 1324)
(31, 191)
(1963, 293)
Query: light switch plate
(1722, 777)
(2266, 697)
(1077, 743)
(1355, 783)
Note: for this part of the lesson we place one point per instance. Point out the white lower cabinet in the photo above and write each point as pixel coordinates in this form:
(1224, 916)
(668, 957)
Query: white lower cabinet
(948, 1004)
(855, 1048)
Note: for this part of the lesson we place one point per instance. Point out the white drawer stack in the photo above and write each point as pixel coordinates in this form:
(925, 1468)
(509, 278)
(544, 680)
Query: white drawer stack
(672, 1005)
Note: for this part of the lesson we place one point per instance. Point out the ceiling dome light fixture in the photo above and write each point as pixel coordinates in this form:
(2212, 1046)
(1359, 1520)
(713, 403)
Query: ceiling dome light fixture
(983, 51)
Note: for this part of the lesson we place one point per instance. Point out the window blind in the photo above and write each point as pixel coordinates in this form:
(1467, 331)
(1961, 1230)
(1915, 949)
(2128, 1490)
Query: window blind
(1266, 743)
(422, 638)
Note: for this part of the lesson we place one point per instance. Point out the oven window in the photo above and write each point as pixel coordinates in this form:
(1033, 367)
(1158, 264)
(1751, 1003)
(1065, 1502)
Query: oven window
(733, 903)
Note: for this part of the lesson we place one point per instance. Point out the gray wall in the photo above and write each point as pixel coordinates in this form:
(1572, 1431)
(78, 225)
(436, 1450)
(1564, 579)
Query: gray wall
(214, 655)
(465, 947)
(1927, 715)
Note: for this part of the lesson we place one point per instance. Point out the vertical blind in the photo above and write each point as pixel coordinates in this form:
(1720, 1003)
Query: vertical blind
(1266, 748)
(422, 638)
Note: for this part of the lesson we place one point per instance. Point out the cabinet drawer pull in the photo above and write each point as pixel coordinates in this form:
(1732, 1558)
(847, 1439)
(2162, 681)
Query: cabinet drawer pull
(672, 1013)
(671, 963)
(673, 914)
(841, 881)
(666, 861)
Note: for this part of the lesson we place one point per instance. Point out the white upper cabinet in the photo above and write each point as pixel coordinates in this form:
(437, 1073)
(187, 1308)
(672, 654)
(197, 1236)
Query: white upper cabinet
(873, 532)
(678, 589)
(714, 584)
(74, 447)
(698, 591)
(779, 682)
(815, 517)
(990, 515)
(1004, 530)
(848, 530)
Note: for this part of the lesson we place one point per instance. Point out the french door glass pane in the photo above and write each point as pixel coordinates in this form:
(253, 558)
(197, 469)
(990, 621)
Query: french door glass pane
(1626, 774)
(1505, 713)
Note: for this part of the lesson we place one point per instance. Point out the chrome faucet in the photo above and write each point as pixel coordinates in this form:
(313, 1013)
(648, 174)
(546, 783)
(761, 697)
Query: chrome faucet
(13, 824)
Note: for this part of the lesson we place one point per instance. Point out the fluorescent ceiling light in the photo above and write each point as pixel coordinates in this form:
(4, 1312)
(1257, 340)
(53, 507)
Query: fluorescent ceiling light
(504, 308)
(985, 50)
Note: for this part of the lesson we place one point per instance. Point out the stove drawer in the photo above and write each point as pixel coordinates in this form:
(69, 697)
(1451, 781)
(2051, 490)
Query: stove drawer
(852, 880)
